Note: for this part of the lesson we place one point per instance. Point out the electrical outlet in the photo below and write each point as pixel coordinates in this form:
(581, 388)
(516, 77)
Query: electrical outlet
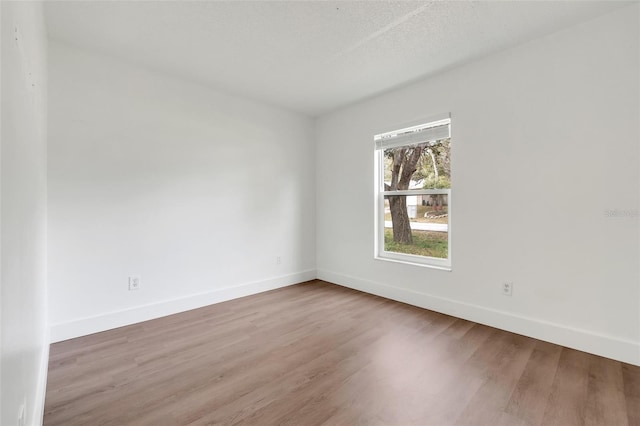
(134, 282)
(278, 260)
(507, 288)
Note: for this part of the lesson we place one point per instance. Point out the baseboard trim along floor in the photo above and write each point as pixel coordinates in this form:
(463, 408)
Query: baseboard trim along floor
(111, 320)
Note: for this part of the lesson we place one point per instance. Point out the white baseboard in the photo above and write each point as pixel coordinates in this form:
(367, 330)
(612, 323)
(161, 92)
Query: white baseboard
(607, 346)
(110, 320)
(37, 413)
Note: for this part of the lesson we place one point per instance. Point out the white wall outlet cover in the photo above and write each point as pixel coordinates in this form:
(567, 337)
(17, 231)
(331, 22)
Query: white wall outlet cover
(134, 282)
(507, 288)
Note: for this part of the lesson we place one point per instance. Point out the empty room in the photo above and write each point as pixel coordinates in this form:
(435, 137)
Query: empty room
(320, 213)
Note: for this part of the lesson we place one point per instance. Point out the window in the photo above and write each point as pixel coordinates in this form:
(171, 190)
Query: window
(413, 206)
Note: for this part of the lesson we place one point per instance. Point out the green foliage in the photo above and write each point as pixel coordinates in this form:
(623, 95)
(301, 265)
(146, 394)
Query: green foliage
(425, 243)
(437, 151)
(430, 182)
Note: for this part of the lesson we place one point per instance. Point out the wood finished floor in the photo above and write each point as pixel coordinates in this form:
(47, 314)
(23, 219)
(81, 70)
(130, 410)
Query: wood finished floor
(320, 354)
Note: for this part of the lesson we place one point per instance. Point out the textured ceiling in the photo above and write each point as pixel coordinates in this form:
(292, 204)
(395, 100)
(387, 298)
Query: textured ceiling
(308, 56)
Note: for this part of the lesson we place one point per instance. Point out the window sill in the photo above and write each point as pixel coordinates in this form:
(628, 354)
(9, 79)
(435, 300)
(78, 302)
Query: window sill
(422, 264)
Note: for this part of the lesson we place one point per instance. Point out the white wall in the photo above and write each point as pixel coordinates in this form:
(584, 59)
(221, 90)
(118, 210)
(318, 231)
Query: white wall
(545, 140)
(24, 344)
(196, 191)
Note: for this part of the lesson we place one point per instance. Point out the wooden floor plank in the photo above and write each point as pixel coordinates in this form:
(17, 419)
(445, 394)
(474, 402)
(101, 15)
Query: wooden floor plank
(316, 353)
(530, 397)
(606, 404)
(631, 380)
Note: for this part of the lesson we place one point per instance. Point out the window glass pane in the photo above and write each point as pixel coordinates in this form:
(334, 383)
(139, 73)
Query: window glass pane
(422, 166)
(421, 228)
(415, 164)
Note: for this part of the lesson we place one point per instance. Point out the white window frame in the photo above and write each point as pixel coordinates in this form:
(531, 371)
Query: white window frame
(426, 130)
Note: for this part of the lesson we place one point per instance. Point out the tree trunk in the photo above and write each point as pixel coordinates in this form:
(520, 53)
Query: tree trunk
(435, 166)
(400, 219)
(404, 165)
